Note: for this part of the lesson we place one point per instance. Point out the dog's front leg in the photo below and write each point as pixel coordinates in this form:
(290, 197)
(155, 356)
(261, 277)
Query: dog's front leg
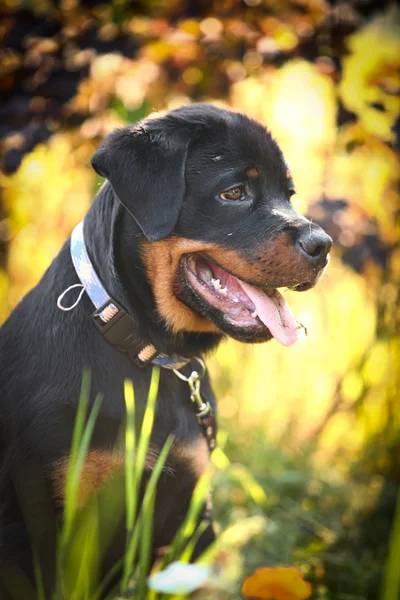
(173, 503)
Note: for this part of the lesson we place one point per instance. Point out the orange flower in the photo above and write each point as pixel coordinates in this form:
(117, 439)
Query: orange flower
(279, 583)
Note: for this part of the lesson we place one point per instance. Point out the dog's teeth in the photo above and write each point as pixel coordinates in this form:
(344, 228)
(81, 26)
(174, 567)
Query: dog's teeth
(254, 314)
(234, 299)
(216, 283)
(224, 291)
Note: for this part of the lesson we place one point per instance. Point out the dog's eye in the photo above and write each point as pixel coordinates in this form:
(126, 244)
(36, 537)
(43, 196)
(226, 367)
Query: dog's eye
(235, 193)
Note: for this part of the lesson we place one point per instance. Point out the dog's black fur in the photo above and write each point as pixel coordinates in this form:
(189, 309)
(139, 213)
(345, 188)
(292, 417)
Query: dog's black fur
(164, 179)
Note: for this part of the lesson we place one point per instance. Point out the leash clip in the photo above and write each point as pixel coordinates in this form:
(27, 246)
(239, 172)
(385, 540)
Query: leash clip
(203, 408)
(204, 411)
(194, 383)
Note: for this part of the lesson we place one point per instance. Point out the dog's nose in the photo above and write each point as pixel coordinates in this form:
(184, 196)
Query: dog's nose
(315, 244)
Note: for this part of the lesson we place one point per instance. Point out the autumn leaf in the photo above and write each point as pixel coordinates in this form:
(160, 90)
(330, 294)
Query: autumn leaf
(276, 583)
(371, 81)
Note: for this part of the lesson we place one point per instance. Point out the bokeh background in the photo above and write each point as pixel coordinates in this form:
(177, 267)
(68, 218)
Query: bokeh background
(309, 457)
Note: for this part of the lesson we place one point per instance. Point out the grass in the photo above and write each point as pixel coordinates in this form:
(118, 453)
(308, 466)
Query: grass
(86, 530)
(274, 511)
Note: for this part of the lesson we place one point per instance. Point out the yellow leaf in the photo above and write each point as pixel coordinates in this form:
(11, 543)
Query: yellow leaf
(370, 80)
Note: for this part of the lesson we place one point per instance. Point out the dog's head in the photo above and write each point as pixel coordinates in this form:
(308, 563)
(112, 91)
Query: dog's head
(210, 191)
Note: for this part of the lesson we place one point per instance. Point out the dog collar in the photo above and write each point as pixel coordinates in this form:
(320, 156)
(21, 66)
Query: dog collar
(118, 328)
(113, 322)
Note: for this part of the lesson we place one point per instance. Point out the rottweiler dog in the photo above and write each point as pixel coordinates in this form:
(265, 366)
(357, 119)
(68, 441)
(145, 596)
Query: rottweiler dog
(191, 236)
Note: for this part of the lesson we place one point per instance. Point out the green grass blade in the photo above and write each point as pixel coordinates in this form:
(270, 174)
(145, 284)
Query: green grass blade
(75, 469)
(80, 418)
(143, 525)
(112, 573)
(148, 512)
(220, 460)
(146, 523)
(196, 505)
(79, 425)
(147, 426)
(233, 537)
(249, 484)
(68, 548)
(130, 447)
(188, 527)
(136, 474)
(82, 567)
(190, 546)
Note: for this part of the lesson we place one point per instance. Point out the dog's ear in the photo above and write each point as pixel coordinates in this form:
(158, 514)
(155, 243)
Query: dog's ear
(145, 165)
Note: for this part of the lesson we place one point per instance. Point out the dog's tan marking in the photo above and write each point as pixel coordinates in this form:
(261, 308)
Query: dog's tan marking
(276, 261)
(99, 466)
(253, 172)
(162, 260)
(195, 455)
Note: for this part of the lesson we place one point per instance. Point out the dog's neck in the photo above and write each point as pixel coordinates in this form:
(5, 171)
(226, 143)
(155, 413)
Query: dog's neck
(112, 239)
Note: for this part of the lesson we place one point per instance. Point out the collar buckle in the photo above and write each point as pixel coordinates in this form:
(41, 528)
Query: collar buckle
(118, 329)
(107, 315)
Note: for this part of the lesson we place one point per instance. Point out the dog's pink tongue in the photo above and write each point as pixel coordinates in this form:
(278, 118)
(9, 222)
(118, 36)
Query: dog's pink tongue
(275, 313)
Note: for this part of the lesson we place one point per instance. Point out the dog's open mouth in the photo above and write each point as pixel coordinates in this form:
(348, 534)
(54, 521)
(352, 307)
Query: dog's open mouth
(242, 305)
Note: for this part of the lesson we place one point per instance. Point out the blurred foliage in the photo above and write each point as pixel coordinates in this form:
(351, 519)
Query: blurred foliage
(317, 425)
